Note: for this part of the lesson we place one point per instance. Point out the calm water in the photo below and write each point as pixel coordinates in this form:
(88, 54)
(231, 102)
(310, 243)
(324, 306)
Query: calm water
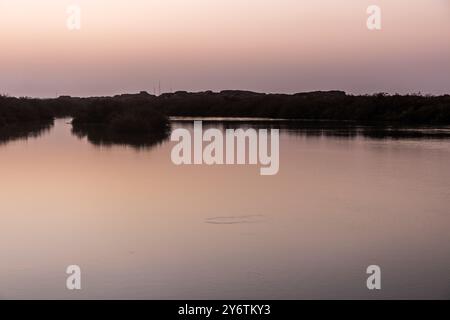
(141, 227)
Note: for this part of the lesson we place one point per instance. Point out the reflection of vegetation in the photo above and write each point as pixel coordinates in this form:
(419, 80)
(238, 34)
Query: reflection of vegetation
(101, 135)
(22, 131)
(343, 129)
(368, 130)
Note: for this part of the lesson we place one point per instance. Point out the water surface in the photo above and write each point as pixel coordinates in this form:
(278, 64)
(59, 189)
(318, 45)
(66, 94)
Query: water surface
(141, 227)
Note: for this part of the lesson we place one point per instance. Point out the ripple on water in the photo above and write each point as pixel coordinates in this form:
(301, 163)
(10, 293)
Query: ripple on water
(255, 218)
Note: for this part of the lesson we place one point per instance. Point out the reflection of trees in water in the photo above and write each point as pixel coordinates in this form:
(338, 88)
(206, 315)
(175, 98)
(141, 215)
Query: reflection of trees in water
(342, 129)
(23, 131)
(100, 135)
(349, 130)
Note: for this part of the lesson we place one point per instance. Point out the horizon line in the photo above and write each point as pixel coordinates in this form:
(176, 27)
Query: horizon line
(419, 93)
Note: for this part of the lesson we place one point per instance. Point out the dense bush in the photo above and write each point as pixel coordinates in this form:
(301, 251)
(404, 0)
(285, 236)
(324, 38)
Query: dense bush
(121, 117)
(22, 118)
(15, 111)
(332, 105)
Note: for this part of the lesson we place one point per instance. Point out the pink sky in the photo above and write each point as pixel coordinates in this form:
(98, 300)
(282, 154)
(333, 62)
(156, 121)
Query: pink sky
(264, 45)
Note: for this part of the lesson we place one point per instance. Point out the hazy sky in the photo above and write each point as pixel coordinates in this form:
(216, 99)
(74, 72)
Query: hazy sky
(261, 45)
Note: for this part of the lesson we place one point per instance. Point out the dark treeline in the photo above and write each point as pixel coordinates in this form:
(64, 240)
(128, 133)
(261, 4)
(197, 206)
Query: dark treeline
(120, 116)
(330, 105)
(23, 110)
(21, 118)
(141, 120)
(141, 111)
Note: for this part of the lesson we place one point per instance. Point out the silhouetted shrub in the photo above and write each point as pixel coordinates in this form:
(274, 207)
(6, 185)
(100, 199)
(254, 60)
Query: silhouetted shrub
(121, 117)
(23, 110)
